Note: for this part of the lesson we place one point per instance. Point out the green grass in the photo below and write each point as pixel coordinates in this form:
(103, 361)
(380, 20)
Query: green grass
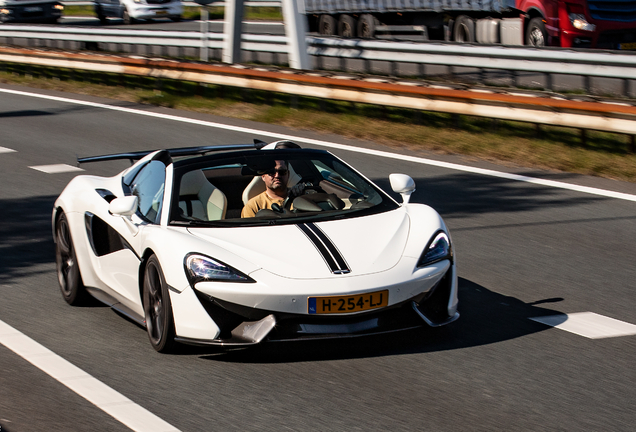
(505, 142)
(193, 13)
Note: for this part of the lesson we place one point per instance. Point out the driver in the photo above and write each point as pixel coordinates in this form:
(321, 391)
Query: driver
(276, 190)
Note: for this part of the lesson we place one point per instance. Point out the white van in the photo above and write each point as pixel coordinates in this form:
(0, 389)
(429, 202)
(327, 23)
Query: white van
(132, 10)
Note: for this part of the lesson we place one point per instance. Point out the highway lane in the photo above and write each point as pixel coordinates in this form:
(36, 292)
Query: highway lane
(523, 251)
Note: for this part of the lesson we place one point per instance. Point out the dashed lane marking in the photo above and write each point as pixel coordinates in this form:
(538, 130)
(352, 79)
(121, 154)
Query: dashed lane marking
(56, 168)
(588, 324)
(105, 398)
(384, 154)
(6, 150)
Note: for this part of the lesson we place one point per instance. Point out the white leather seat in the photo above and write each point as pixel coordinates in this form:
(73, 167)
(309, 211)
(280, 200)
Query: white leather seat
(200, 199)
(257, 185)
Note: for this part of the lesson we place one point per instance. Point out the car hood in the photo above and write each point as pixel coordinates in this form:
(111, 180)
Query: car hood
(348, 247)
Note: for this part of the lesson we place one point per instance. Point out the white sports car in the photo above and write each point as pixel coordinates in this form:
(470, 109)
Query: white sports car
(163, 243)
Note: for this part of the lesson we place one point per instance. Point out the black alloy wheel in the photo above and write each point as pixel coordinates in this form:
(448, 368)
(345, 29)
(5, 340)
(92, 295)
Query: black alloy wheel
(68, 273)
(157, 308)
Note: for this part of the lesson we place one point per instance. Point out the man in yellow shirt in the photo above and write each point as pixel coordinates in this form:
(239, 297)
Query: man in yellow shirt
(276, 190)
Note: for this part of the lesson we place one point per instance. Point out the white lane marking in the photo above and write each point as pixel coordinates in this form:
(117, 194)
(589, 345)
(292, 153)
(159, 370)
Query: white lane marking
(105, 398)
(56, 168)
(448, 165)
(588, 324)
(6, 150)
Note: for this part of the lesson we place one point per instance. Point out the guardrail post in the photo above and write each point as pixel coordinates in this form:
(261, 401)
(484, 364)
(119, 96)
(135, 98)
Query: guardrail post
(296, 32)
(203, 55)
(232, 31)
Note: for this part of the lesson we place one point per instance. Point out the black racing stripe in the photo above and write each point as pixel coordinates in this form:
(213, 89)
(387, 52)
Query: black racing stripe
(342, 264)
(321, 247)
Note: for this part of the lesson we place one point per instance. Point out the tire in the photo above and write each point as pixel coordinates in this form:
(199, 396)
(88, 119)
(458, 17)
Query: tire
(68, 272)
(366, 27)
(536, 35)
(157, 308)
(100, 15)
(347, 26)
(127, 18)
(464, 30)
(176, 18)
(326, 25)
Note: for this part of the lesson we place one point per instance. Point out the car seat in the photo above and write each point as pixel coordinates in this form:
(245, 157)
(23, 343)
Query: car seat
(200, 199)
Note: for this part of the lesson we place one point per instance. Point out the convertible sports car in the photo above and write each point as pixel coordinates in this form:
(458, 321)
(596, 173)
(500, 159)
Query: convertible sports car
(164, 244)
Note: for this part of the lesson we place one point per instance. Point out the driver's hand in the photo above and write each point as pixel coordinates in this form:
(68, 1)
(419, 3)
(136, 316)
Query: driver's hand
(297, 190)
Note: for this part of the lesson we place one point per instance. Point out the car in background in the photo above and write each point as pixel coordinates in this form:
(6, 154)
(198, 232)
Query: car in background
(35, 11)
(133, 10)
(164, 243)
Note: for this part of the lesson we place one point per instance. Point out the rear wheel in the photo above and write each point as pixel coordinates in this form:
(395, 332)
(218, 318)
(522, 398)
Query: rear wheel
(157, 308)
(536, 35)
(68, 273)
(366, 27)
(347, 26)
(464, 30)
(327, 25)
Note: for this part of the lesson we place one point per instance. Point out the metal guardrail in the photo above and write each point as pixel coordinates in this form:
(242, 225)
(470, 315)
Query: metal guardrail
(549, 110)
(512, 59)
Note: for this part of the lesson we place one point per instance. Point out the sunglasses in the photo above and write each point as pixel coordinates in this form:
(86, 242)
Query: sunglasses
(281, 172)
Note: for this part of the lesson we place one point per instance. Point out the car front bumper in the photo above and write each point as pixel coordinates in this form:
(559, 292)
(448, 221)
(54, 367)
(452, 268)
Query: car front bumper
(240, 325)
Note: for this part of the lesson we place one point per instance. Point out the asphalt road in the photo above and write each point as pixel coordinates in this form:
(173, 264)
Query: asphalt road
(524, 250)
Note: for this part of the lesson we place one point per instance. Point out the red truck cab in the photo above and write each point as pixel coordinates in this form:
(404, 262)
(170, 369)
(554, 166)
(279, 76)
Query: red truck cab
(604, 24)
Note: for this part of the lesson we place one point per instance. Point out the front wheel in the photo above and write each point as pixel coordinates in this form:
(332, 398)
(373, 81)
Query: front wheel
(157, 308)
(127, 18)
(536, 34)
(68, 273)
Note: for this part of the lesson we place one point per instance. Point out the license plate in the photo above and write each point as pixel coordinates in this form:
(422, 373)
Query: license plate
(628, 46)
(161, 13)
(33, 9)
(348, 303)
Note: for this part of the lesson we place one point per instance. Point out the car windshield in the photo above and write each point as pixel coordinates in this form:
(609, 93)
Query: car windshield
(212, 191)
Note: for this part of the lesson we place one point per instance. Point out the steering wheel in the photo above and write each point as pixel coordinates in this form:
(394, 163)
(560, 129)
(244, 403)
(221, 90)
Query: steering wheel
(310, 188)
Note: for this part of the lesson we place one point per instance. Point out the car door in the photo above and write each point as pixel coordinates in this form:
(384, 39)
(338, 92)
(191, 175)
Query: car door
(117, 239)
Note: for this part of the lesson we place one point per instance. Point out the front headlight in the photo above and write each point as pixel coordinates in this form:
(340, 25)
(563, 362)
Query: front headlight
(438, 249)
(200, 268)
(579, 22)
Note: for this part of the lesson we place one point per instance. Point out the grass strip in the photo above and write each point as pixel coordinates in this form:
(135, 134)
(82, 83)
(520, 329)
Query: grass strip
(505, 142)
(194, 13)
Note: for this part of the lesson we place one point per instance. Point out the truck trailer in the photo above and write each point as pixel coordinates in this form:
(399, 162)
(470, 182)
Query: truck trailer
(607, 24)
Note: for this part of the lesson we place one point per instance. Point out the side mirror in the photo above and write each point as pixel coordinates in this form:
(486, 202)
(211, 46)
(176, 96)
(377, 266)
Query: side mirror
(124, 206)
(402, 184)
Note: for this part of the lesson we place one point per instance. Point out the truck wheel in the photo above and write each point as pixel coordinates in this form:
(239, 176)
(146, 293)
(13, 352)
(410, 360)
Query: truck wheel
(326, 25)
(366, 26)
(536, 34)
(347, 26)
(464, 30)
